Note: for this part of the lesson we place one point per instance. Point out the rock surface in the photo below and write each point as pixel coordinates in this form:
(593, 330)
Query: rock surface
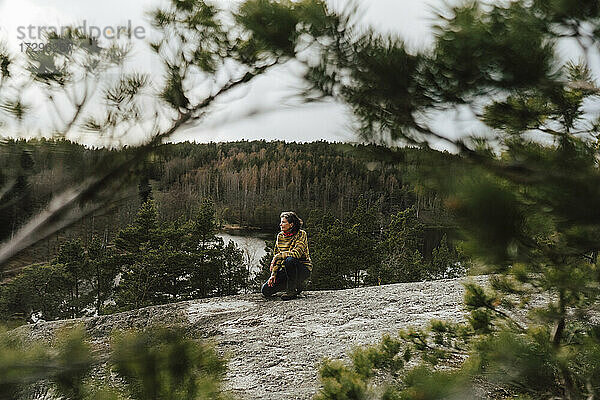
(275, 347)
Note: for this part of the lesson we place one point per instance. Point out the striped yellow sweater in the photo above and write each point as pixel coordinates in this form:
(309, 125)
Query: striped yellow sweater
(291, 246)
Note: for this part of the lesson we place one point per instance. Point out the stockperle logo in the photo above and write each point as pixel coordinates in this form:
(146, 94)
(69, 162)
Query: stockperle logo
(39, 32)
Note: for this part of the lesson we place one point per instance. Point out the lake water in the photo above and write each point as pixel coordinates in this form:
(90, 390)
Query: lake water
(252, 244)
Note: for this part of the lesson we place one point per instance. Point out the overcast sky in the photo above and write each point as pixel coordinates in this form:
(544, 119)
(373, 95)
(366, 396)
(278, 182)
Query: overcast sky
(409, 18)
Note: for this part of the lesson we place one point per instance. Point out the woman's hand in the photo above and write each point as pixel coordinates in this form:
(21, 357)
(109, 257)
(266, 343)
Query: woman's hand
(271, 281)
(272, 265)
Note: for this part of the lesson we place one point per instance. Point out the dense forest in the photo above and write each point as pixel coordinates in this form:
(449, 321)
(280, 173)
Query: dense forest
(249, 182)
(157, 244)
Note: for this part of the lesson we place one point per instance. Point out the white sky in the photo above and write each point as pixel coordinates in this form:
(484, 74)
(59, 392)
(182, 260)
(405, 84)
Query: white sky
(329, 121)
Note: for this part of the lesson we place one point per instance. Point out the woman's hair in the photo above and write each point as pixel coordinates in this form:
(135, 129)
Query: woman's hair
(293, 219)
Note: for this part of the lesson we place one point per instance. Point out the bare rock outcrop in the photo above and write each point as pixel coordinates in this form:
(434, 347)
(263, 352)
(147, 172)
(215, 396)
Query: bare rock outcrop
(274, 347)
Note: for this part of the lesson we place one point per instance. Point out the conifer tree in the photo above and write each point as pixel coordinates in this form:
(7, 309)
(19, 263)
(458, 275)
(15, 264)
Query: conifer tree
(141, 259)
(265, 262)
(328, 238)
(447, 262)
(402, 244)
(232, 277)
(206, 248)
(76, 272)
(38, 292)
(104, 270)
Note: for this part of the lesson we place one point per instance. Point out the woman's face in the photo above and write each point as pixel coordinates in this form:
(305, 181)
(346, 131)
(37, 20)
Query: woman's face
(285, 225)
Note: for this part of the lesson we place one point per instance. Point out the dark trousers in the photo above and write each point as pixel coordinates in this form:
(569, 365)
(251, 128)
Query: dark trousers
(289, 278)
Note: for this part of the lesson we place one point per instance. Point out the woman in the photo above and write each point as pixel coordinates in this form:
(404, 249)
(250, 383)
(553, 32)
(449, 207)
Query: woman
(291, 263)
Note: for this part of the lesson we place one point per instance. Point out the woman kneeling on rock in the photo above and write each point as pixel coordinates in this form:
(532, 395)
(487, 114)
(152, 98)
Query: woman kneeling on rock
(291, 264)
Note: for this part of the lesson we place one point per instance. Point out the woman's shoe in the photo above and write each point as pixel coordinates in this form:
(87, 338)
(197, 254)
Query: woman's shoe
(289, 296)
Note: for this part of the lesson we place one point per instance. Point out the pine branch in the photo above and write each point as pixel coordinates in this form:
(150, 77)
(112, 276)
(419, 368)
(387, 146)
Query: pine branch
(508, 318)
(78, 109)
(63, 209)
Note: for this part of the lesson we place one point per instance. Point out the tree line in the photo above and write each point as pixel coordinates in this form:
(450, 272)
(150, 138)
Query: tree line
(152, 262)
(249, 182)
(148, 263)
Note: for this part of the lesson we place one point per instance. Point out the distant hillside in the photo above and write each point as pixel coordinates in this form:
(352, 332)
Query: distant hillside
(250, 183)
